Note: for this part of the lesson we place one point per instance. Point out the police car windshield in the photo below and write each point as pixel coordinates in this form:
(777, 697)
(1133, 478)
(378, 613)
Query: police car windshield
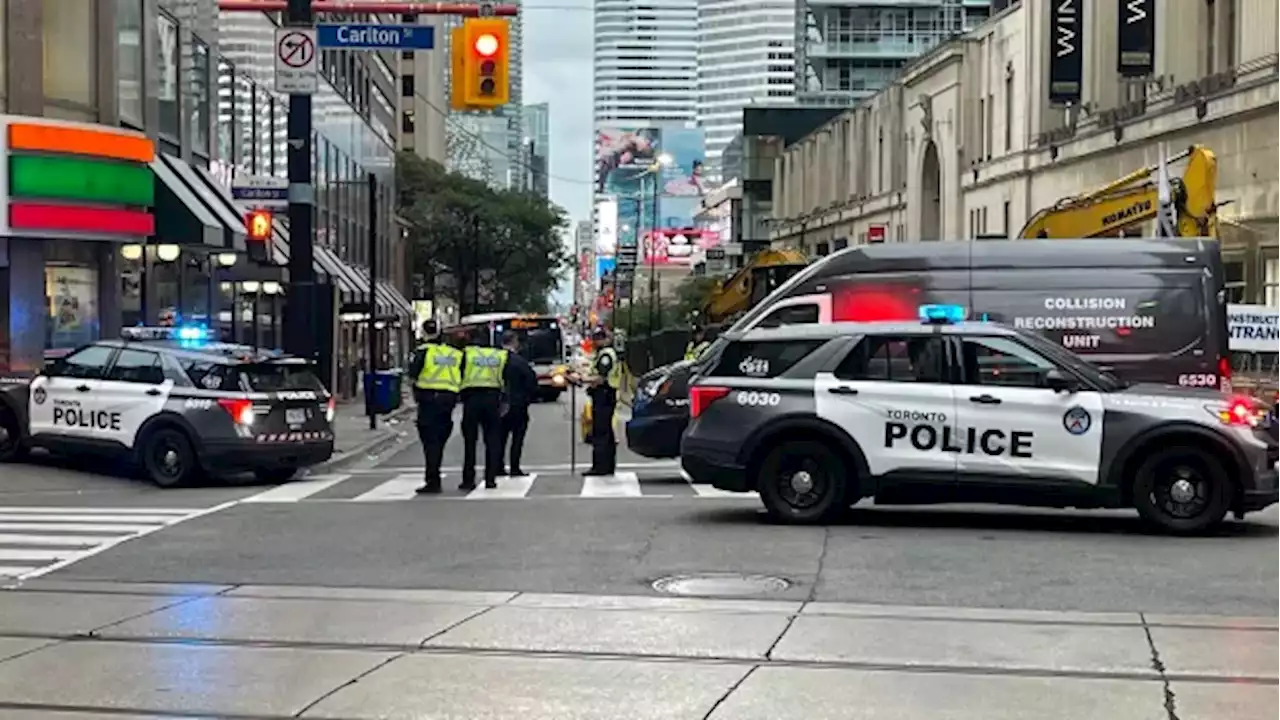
(1073, 362)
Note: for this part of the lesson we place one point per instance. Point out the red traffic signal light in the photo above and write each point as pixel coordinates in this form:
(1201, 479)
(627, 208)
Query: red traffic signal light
(258, 225)
(487, 45)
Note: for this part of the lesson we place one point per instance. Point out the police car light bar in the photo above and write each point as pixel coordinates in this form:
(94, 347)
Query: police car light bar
(942, 314)
(185, 333)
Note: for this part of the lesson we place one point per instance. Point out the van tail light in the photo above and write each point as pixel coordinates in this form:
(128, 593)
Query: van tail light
(1236, 411)
(241, 411)
(701, 397)
(1224, 374)
(330, 409)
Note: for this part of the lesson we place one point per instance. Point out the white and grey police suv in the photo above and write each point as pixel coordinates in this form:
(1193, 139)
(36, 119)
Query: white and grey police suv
(817, 417)
(177, 404)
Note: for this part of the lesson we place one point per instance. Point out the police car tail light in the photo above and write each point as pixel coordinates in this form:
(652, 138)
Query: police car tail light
(330, 409)
(1239, 412)
(701, 397)
(241, 411)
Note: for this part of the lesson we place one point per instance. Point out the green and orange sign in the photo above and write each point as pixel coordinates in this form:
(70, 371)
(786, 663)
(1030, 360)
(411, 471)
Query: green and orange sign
(74, 179)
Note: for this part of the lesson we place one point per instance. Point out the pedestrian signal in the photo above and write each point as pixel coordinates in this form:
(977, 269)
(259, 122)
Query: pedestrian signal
(257, 225)
(481, 61)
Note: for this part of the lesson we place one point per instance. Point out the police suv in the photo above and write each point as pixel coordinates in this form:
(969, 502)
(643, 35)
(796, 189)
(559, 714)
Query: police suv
(176, 403)
(817, 417)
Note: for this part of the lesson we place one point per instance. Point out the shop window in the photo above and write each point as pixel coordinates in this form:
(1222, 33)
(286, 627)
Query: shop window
(129, 60)
(166, 63)
(72, 292)
(1234, 279)
(70, 51)
(1271, 278)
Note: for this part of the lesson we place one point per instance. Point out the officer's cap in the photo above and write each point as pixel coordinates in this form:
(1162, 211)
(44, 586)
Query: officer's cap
(430, 327)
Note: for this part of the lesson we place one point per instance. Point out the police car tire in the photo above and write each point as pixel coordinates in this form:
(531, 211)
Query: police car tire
(177, 441)
(1219, 488)
(13, 448)
(275, 475)
(831, 464)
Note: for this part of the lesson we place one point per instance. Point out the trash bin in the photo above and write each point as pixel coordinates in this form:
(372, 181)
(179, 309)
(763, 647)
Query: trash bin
(382, 391)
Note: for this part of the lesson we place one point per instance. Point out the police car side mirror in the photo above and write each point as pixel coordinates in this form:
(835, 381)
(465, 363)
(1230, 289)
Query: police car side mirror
(1058, 382)
(53, 368)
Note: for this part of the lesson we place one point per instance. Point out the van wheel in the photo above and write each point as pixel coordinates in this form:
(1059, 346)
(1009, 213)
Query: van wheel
(168, 459)
(802, 482)
(1182, 490)
(12, 449)
(275, 475)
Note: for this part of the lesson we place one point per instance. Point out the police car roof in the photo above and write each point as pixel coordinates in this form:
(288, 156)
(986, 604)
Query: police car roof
(895, 327)
(217, 352)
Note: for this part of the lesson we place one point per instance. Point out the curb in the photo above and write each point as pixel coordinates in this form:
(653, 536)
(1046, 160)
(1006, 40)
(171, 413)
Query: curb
(384, 439)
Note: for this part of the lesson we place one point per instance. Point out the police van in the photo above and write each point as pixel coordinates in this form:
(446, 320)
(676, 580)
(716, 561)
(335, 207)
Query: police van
(177, 403)
(943, 409)
(1144, 310)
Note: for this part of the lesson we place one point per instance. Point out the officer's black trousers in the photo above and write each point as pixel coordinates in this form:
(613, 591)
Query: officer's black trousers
(481, 416)
(604, 449)
(514, 426)
(435, 425)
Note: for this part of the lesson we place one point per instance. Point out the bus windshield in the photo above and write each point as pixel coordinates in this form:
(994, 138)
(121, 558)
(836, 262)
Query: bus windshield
(541, 340)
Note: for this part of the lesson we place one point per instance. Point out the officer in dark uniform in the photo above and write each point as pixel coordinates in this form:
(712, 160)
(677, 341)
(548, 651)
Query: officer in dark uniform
(482, 369)
(697, 343)
(436, 369)
(603, 385)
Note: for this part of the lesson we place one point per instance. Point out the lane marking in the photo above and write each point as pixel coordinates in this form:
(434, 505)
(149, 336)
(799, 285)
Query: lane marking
(52, 540)
(115, 512)
(400, 487)
(14, 571)
(80, 527)
(708, 491)
(297, 490)
(619, 484)
(59, 519)
(509, 488)
(36, 555)
(548, 469)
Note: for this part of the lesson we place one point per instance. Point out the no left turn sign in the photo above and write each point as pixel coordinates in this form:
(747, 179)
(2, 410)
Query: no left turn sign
(296, 61)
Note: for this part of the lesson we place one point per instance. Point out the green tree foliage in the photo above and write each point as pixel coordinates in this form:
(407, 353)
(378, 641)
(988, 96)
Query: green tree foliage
(499, 249)
(691, 296)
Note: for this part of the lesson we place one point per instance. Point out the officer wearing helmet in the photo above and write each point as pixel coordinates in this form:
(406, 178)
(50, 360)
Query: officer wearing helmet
(436, 369)
(697, 343)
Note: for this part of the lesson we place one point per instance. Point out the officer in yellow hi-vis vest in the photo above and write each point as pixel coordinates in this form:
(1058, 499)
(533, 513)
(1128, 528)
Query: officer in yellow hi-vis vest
(436, 369)
(697, 343)
(481, 412)
(603, 385)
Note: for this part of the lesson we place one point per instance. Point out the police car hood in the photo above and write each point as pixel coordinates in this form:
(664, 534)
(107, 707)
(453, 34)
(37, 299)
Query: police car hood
(1172, 391)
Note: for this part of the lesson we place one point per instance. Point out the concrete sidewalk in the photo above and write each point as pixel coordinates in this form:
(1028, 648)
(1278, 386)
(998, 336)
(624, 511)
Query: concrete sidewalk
(273, 651)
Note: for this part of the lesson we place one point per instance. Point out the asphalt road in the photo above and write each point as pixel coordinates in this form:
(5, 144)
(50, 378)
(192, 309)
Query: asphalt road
(553, 539)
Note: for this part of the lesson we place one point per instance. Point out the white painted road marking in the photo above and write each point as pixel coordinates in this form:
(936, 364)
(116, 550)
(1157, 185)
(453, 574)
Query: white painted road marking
(509, 488)
(656, 465)
(297, 490)
(619, 484)
(400, 487)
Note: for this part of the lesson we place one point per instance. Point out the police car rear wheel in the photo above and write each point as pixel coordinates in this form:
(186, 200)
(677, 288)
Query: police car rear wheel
(1182, 490)
(802, 482)
(168, 458)
(11, 447)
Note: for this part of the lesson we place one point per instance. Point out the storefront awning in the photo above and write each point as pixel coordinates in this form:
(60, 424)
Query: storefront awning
(214, 197)
(342, 274)
(181, 217)
(397, 298)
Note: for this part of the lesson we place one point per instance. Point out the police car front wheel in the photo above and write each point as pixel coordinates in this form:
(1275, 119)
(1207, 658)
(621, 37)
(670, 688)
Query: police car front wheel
(168, 458)
(801, 481)
(1182, 490)
(11, 446)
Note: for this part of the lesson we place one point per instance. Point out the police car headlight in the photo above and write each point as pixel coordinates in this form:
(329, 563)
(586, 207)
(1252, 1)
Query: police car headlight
(558, 380)
(1239, 412)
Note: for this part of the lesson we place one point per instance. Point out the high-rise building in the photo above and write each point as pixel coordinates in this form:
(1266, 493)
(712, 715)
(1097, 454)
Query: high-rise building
(849, 49)
(646, 62)
(537, 147)
(745, 56)
(423, 93)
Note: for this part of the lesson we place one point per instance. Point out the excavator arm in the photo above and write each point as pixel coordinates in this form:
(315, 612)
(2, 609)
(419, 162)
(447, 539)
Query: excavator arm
(734, 295)
(1134, 198)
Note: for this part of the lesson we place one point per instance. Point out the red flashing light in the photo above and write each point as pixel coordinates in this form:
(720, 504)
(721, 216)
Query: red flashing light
(701, 397)
(486, 45)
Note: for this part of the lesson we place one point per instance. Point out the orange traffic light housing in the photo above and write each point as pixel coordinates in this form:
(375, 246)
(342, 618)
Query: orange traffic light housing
(485, 64)
(257, 225)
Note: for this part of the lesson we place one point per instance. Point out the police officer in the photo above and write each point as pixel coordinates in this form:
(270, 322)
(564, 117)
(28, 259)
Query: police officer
(482, 369)
(604, 381)
(437, 372)
(697, 343)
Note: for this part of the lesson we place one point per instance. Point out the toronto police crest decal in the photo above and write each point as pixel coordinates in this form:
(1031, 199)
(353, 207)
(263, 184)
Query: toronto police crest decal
(38, 395)
(1077, 421)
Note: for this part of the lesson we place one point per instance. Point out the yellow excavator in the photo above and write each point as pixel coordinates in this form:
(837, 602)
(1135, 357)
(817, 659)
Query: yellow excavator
(766, 270)
(1113, 210)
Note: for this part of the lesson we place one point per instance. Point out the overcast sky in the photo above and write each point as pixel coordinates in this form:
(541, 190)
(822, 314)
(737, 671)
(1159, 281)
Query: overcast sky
(557, 70)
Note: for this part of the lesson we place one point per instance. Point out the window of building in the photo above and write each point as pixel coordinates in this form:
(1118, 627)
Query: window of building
(1008, 109)
(245, 146)
(224, 128)
(166, 63)
(406, 121)
(129, 60)
(406, 86)
(280, 139)
(70, 46)
(199, 96)
(73, 305)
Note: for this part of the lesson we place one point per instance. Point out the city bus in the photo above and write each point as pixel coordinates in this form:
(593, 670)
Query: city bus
(541, 343)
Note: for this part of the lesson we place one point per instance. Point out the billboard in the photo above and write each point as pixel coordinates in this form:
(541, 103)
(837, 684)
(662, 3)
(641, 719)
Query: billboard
(628, 170)
(606, 227)
(677, 246)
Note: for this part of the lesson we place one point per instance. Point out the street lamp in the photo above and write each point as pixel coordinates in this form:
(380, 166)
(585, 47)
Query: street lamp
(168, 253)
(132, 253)
(662, 161)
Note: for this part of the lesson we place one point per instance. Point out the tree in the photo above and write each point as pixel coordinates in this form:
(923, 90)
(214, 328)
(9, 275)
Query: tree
(497, 249)
(691, 295)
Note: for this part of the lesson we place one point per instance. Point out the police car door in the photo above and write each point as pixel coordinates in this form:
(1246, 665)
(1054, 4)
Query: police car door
(65, 399)
(891, 394)
(1015, 429)
(134, 389)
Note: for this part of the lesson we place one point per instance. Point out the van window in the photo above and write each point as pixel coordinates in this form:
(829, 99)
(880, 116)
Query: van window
(806, 314)
(763, 359)
(1166, 320)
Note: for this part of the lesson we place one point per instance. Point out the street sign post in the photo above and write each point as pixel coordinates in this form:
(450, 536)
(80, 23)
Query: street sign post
(260, 191)
(350, 36)
(296, 61)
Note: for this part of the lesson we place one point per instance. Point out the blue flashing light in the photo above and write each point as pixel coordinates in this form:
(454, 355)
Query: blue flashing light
(186, 334)
(942, 314)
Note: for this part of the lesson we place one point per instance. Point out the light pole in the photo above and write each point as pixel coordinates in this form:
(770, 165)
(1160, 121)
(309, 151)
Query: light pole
(662, 161)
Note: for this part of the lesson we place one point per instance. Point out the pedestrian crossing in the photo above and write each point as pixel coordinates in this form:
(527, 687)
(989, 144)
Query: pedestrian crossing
(646, 481)
(38, 540)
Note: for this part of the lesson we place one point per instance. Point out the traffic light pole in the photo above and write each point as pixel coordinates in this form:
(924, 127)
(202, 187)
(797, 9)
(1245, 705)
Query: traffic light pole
(299, 322)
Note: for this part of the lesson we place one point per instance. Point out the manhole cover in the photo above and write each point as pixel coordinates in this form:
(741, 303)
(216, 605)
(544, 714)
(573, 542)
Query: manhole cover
(713, 584)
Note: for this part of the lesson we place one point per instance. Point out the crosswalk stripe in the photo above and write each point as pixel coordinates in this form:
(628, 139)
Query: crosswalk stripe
(52, 540)
(509, 488)
(79, 527)
(655, 465)
(58, 519)
(13, 571)
(114, 512)
(298, 489)
(400, 487)
(619, 484)
(707, 491)
(36, 555)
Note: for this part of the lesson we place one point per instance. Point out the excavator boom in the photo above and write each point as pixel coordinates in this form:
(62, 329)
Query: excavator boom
(734, 295)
